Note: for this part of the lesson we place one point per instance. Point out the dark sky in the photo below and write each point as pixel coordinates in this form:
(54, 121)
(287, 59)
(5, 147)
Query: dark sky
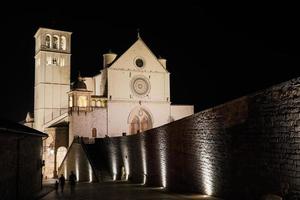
(215, 52)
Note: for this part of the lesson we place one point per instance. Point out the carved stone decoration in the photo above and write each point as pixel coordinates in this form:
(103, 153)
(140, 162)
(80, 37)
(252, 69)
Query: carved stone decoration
(140, 86)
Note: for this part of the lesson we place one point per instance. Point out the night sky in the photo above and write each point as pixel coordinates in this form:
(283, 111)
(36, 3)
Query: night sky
(215, 52)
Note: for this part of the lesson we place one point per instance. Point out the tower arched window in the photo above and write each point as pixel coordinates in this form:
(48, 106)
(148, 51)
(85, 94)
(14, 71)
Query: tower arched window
(48, 41)
(63, 42)
(55, 44)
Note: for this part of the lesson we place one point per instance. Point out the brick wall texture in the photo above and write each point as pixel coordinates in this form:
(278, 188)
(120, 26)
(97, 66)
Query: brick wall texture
(242, 149)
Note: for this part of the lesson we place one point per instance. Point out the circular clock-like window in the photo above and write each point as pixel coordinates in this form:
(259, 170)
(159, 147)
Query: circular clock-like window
(139, 62)
(140, 86)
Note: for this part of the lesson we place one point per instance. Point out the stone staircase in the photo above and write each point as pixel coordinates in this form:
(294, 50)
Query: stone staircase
(98, 160)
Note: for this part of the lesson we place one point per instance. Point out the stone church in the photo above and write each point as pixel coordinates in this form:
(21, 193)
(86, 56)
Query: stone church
(129, 94)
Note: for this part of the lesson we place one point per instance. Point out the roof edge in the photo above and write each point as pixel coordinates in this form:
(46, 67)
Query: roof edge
(37, 133)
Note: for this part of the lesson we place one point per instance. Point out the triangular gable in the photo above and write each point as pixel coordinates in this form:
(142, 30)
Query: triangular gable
(138, 50)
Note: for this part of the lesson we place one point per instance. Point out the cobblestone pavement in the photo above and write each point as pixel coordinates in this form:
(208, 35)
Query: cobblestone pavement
(48, 186)
(124, 191)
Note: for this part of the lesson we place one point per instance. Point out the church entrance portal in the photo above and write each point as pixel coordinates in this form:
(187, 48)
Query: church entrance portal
(139, 121)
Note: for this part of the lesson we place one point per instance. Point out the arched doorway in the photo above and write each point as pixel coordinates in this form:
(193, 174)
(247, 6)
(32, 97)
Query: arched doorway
(145, 123)
(139, 120)
(134, 125)
(60, 155)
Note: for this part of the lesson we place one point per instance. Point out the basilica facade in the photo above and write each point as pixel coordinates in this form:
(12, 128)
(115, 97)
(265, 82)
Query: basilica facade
(131, 94)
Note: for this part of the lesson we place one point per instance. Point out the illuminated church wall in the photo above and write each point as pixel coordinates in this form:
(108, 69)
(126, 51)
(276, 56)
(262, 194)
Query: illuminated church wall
(244, 148)
(181, 111)
(52, 75)
(121, 83)
(122, 114)
(82, 123)
(130, 94)
(136, 89)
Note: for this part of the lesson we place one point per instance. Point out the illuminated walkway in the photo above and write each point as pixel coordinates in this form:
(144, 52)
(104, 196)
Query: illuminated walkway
(107, 191)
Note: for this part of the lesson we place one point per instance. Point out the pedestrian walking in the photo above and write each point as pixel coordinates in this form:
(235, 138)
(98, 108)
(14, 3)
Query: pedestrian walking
(72, 179)
(62, 182)
(56, 185)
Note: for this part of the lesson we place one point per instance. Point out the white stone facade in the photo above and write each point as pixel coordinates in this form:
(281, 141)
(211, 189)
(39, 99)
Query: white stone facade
(52, 75)
(130, 95)
(137, 96)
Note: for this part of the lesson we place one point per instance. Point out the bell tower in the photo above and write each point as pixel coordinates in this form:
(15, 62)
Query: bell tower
(52, 76)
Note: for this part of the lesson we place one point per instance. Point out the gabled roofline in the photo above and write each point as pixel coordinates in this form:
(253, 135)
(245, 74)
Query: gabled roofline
(138, 39)
(152, 53)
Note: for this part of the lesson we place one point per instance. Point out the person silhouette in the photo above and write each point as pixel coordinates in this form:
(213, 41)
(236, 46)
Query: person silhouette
(56, 185)
(72, 179)
(62, 182)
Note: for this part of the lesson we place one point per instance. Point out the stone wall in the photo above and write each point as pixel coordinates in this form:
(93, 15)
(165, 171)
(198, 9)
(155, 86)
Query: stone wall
(267, 145)
(242, 149)
(20, 166)
(77, 161)
(82, 123)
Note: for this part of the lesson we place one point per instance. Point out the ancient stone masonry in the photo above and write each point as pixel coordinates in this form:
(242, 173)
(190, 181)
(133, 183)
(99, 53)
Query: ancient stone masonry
(271, 137)
(242, 149)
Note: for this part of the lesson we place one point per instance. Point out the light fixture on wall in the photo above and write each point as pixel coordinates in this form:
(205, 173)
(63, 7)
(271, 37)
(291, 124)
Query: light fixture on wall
(90, 174)
(144, 158)
(77, 168)
(163, 159)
